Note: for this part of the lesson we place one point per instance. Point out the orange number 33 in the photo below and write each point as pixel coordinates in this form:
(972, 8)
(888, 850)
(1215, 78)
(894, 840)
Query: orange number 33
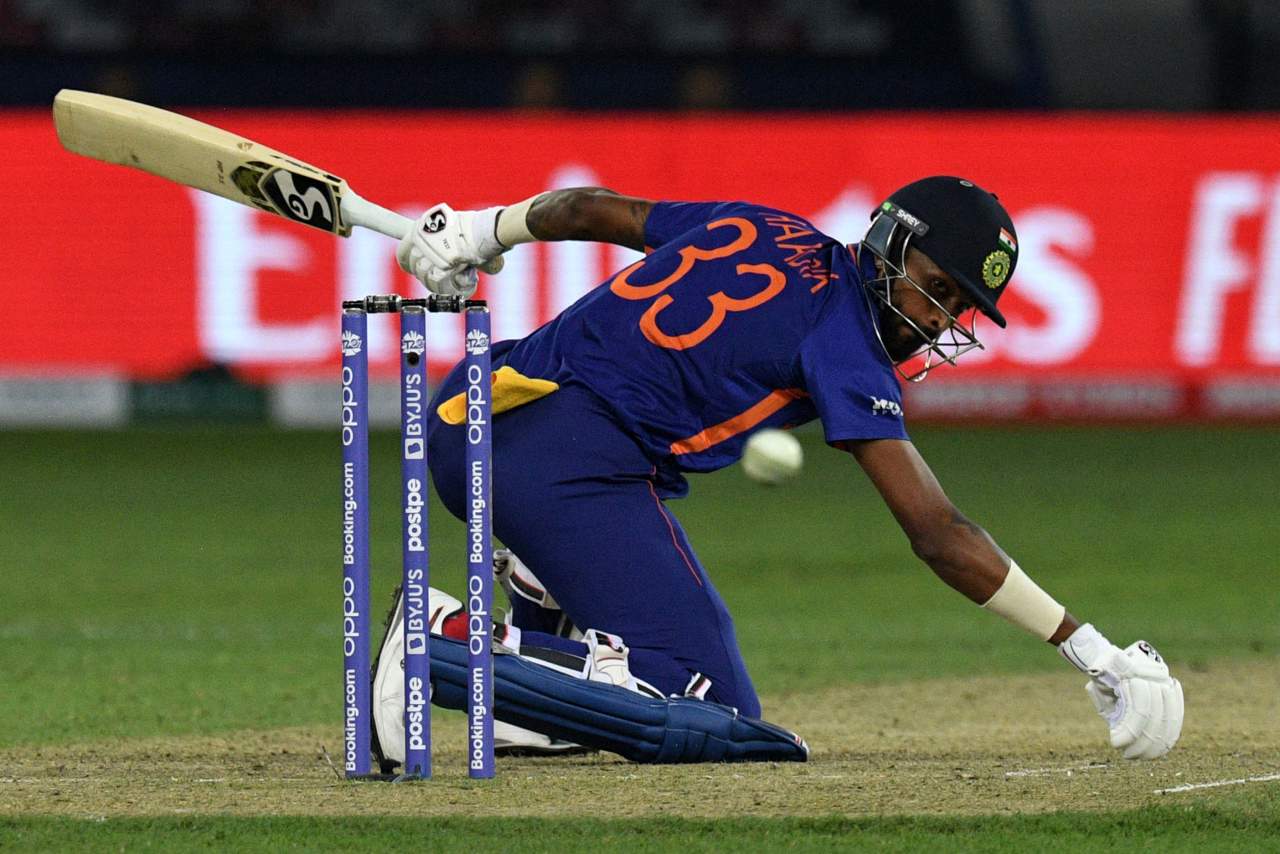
(721, 303)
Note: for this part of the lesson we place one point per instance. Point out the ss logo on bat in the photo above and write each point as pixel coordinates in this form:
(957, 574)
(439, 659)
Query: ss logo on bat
(301, 198)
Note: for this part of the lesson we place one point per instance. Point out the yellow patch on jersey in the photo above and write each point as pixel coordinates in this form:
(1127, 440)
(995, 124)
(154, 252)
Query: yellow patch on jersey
(510, 389)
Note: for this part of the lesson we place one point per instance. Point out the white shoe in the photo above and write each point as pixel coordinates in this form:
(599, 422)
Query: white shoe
(511, 740)
(388, 692)
(388, 680)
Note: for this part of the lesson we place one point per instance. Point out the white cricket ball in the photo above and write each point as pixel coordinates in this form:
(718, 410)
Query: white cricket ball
(772, 456)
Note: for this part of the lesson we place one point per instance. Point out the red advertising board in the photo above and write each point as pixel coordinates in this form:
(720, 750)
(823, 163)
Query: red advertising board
(1148, 282)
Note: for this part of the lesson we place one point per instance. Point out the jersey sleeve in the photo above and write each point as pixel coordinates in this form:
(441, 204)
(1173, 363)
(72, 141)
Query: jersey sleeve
(669, 220)
(856, 393)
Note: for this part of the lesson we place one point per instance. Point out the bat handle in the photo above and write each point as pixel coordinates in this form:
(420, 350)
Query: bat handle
(357, 210)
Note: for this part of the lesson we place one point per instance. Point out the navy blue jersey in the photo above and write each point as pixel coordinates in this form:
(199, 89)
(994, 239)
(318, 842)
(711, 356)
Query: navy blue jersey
(739, 317)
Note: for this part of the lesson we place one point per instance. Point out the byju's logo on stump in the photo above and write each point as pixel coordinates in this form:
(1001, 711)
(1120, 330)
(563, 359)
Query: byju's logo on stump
(477, 342)
(412, 343)
(351, 343)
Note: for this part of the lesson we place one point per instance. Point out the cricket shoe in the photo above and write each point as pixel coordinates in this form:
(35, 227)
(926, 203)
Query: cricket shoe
(511, 740)
(447, 617)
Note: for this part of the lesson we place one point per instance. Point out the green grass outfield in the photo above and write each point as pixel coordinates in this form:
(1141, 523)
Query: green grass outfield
(1243, 824)
(162, 583)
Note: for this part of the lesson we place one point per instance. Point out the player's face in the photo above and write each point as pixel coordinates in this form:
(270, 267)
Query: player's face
(931, 300)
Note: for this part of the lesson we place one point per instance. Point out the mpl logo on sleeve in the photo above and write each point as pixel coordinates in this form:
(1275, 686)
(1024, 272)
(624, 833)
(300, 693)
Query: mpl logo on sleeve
(477, 342)
(881, 406)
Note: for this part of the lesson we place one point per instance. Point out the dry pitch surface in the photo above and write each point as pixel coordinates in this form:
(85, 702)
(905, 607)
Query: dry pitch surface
(944, 747)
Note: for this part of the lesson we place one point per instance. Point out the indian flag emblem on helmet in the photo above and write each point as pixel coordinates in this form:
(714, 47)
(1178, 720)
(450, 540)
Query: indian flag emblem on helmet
(995, 270)
(1007, 241)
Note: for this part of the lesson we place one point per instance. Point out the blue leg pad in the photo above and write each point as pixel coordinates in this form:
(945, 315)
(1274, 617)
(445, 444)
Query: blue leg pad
(606, 717)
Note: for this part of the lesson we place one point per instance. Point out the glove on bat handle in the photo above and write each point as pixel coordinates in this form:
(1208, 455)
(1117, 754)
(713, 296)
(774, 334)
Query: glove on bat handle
(364, 213)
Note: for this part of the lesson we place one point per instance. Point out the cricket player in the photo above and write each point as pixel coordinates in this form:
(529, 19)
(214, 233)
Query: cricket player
(739, 317)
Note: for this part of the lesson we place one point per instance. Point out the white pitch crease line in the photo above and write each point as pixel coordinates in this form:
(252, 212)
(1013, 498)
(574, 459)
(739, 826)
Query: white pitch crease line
(1265, 778)
(1036, 772)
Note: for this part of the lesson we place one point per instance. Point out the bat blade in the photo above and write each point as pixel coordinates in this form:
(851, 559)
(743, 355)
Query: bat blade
(198, 155)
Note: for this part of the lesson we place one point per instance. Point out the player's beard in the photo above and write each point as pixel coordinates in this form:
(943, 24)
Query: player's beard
(901, 340)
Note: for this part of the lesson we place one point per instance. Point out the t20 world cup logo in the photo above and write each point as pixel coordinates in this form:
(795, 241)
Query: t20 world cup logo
(412, 343)
(477, 342)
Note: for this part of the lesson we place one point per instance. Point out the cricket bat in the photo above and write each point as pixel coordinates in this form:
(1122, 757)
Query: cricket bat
(198, 155)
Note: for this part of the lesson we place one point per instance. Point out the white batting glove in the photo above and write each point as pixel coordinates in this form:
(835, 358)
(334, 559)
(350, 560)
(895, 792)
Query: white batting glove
(1132, 690)
(445, 247)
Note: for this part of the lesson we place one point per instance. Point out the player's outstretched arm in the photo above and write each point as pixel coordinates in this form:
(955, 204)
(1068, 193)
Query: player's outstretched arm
(1130, 688)
(960, 552)
(583, 213)
(445, 247)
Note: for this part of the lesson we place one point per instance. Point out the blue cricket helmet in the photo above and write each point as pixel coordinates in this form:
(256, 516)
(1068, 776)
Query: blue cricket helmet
(963, 228)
